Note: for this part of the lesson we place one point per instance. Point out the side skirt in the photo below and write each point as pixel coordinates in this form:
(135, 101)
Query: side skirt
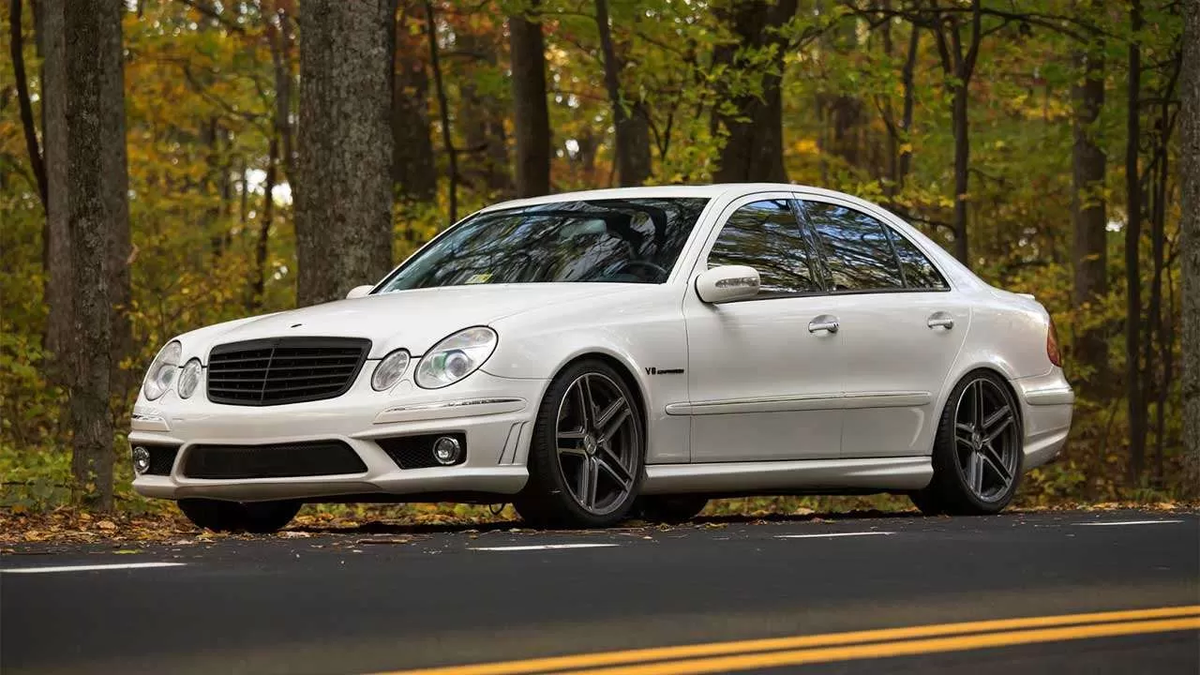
(809, 475)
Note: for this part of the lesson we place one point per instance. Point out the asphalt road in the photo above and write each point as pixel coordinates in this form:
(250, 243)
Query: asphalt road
(384, 600)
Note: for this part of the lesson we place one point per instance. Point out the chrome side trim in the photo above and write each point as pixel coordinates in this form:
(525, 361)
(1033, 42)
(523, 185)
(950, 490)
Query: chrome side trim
(1050, 396)
(443, 409)
(889, 473)
(887, 399)
(148, 420)
(830, 401)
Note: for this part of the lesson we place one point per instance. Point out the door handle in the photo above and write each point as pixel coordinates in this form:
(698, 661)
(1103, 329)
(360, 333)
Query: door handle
(940, 320)
(824, 322)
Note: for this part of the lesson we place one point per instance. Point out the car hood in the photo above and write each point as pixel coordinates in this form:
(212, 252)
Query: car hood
(414, 319)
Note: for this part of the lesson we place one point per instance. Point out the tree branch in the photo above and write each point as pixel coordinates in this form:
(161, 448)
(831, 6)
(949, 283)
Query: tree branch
(31, 140)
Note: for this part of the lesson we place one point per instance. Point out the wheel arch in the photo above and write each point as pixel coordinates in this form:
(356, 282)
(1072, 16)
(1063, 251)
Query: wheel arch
(1005, 379)
(623, 370)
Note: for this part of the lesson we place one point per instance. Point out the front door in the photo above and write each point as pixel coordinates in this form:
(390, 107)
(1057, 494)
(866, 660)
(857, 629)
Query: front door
(901, 330)
(764, 374)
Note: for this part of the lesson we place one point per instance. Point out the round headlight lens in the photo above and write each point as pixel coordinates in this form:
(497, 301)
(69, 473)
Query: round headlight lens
(162, 371)
(456, 357)
(189, 378)
(390, 370)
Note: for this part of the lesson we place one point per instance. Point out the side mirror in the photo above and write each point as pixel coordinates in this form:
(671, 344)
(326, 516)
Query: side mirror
(727, 283)
(359, 291)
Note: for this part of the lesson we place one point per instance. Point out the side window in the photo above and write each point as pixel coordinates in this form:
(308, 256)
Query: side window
(766, 236)
(918, 271)
(857, 248)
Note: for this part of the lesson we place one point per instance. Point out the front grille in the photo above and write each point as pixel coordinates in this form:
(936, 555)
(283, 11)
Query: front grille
(284, 370)
(416, 452)
(284, 460)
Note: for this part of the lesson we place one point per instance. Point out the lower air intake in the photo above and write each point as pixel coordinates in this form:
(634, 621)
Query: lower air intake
(284, 460)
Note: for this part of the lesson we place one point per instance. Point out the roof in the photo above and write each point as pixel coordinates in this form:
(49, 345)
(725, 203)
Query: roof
(703, 191)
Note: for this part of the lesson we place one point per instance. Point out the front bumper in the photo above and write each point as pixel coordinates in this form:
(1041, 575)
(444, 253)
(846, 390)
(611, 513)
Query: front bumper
(495, 415)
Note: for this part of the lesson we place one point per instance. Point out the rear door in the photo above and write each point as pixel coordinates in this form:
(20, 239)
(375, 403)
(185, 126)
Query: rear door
(901, 328)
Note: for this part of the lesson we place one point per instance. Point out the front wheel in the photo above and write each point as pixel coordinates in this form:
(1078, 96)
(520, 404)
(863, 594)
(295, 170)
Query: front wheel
(978, 453)
(223, 516)
(586, 455)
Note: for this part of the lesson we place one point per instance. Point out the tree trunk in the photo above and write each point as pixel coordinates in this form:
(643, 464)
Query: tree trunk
(17, 49)
(98, 220)
(1189, 156)
(629, 119)
(962, 165)
(753, 148)
(280, 37)
(907, 77)
(1133, 234)
(344, 195)
(265, 221)
(958, 66)
(531, 116)
(481, 116)
(443, 107)
(59, 297)
(1088, 215)
(414, 170)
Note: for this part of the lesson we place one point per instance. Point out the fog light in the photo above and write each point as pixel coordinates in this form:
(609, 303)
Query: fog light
(446, 450)
(141, 460)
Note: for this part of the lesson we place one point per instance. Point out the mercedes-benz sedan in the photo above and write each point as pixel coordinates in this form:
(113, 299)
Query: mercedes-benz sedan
(588, 356)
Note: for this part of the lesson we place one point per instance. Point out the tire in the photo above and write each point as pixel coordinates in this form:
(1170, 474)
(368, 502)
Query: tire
(926, 502)
(589, 421)
(671, 509)
(977, 453)
(223, 516)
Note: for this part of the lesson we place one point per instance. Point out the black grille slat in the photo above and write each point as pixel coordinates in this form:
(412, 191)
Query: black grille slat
(282, 460)
(337, 377)
(340, 366)
(284, 370)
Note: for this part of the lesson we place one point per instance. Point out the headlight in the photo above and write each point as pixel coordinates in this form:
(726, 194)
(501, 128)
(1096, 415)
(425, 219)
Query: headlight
(189, 378)
(456, 357)
(162, 371)
(390, 370)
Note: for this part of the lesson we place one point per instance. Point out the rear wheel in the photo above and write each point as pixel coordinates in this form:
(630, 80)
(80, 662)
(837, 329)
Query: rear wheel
(671, 509)
(223, 516)
(977, 455)
(586, 455)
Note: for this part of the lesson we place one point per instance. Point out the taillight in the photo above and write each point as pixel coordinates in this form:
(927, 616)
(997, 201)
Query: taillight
(1052, 349)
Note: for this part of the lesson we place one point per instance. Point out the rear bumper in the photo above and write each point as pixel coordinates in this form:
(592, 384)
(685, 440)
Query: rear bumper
(1047, 406)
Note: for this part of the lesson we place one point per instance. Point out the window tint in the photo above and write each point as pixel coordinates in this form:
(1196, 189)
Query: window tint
(918, 271)
(766, 236)
(608, 240)
(857, 249)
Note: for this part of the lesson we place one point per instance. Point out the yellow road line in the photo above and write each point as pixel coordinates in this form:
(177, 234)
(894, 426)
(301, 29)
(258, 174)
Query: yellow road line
(876, 650)
(743, 647)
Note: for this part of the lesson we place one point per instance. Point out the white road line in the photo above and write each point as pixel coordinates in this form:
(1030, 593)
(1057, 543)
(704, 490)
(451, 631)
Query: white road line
(90, 568)
(543, 547)
(1131, 522)
(829, 534)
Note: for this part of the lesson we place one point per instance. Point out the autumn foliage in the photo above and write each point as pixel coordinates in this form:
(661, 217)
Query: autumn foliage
(859, 96)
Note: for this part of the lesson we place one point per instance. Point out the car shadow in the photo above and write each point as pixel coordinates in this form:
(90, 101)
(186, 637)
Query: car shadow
(386, 527)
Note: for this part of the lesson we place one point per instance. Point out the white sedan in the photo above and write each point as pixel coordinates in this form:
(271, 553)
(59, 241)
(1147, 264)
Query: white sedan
(594, 355)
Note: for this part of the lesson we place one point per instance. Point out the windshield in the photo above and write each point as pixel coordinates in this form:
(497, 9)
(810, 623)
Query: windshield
(608, 240)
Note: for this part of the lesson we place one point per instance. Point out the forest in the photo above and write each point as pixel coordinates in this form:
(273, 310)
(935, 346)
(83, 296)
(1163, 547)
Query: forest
(168, 164)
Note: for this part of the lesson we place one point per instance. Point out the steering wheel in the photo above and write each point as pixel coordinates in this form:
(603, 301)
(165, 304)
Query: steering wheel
(659, 272)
